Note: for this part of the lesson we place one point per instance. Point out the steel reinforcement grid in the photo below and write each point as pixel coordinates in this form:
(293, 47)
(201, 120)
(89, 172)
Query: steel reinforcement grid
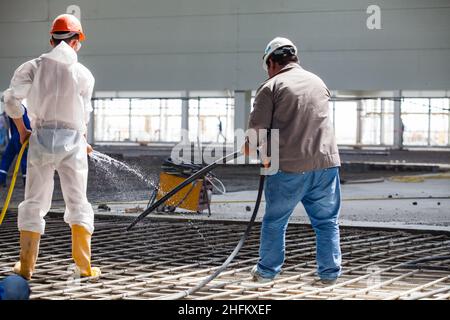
(160, 257)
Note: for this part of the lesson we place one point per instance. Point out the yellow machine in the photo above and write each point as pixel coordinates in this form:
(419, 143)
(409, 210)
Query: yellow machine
(193, 197)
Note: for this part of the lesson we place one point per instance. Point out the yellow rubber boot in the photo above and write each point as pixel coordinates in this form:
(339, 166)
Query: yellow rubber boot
(29, 249)
(81, 251)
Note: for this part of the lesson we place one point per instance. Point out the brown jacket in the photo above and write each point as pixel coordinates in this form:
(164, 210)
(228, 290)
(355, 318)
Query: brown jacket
(298, 101)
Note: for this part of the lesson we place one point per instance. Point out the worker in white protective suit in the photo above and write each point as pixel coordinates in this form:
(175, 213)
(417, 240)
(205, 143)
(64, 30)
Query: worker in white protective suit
(58, 90)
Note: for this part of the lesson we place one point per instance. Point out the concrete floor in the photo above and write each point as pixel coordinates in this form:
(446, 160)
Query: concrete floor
(386, 204)
(382, 205)
(159, 258)
(370, 205)
(407, 155)
(129, 274)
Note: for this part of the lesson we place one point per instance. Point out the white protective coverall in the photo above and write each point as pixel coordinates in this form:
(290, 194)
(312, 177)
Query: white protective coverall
(58, 90)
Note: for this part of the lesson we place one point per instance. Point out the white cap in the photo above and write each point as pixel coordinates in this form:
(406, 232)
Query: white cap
(273, 45)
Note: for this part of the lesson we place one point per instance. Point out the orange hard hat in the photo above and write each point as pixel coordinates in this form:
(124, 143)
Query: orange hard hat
(69, 23)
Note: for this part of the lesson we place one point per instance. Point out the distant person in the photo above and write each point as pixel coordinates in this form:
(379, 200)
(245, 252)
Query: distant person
(13, 149)
(14, 288)
(220, 131)
(402, 133)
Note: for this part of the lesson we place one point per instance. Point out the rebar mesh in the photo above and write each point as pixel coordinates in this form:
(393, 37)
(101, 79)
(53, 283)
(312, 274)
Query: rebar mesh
(160, 257)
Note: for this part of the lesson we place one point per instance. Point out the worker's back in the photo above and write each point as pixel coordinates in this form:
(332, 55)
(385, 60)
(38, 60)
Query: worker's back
(300, 111)
(59, 87)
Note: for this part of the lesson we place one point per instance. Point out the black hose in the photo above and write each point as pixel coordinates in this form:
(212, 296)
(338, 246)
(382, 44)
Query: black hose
(238, 247)
(196, 175)
(230, 258)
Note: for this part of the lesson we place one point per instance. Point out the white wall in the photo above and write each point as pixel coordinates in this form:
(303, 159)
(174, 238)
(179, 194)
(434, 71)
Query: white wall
(218, 44)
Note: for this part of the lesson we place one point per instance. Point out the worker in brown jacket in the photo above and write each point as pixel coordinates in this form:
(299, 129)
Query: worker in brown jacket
(295, 102)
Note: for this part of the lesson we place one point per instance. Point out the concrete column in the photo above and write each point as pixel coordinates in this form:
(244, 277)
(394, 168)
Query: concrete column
(227, 120)
(448, 128)
(166, 120)
(359, 122)
(160, 120)
(91, 126)
(429, 123)
(242, 104)
(199, 127)
(130, 124)
(398, 127)
(185, 117)
(382, 137)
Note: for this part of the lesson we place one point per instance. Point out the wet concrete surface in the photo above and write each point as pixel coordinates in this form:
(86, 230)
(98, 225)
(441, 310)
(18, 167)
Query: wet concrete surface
(411, 155)
(107, 183)
(390, 205)
(386, 203)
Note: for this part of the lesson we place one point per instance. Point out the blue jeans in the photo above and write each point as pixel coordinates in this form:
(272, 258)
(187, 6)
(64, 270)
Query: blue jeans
(319, 192)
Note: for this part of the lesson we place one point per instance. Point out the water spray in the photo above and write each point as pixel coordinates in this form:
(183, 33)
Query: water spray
(240, 244)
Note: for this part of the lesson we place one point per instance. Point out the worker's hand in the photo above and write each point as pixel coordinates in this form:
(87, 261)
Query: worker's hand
(23, 130)
(24, 135)
(266, 162)
(249, 150)
(89, 149)
(245, 149)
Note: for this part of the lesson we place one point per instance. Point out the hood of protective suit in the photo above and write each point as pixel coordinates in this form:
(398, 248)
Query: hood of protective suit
(62, 53)
(58, 90)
